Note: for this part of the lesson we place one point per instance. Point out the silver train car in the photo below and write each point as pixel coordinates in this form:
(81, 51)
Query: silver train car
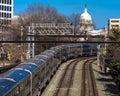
(31, 77)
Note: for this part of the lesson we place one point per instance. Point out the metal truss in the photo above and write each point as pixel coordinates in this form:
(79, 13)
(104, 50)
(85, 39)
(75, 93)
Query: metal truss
(46, 29)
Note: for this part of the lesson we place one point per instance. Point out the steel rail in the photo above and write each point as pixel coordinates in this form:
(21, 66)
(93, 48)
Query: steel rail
(88, 83)
(63, 77)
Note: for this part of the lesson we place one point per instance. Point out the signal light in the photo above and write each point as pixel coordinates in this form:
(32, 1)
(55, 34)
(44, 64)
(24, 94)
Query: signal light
(9, 56)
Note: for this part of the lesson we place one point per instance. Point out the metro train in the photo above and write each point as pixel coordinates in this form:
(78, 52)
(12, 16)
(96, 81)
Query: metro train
(31, 77)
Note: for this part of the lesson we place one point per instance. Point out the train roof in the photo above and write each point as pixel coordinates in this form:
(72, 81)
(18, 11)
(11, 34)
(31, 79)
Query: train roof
(9, 81)
(5, 85)
(51, 51)
(41, 57)
(36, 60)
(53, 48)
(11, 78)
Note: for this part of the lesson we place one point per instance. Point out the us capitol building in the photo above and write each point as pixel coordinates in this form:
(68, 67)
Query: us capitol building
(86, 26)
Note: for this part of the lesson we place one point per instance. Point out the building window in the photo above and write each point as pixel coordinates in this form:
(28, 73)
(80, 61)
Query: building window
(115, 26)
(2, 7)
(7, 8)
(10, 2)
(9, 22)
(6, 1)
(10, 9)
(114, 21)
(0, 14)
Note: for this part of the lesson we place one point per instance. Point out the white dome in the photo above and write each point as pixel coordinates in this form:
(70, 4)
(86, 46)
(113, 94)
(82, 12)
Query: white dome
(85, 15)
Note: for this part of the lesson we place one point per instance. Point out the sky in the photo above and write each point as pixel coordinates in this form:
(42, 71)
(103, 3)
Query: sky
(100, 10)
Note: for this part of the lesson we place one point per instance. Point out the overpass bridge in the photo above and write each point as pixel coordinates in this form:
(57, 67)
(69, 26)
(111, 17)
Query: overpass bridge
(53, 33)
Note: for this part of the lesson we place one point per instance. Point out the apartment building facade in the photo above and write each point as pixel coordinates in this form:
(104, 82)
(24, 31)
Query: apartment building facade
(6, 12)
(114, 23)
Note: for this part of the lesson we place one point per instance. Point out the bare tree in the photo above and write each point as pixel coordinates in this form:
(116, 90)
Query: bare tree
(74, 19)
(38, 13)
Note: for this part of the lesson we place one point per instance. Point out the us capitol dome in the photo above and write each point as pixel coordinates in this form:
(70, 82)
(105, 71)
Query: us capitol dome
(85, 23)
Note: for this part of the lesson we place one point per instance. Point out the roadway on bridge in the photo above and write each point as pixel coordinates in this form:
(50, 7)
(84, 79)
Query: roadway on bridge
(68, 80)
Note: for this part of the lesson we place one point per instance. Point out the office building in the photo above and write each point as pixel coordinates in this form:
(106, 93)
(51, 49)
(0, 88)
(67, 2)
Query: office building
(114, 23)
(6, 12)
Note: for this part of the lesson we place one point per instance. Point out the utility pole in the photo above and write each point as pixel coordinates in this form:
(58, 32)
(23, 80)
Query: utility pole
(30, 46)
(21, 55)
(98, 55)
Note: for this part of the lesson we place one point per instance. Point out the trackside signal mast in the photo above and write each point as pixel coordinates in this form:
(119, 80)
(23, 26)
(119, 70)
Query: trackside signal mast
(42, 29)
(30, 46)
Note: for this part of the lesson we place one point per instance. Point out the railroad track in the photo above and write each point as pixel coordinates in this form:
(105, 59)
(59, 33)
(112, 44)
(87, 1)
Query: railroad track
(88, 84)
(67, 78)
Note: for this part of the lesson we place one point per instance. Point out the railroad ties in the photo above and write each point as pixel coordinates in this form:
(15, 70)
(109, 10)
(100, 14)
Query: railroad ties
(88, 83)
